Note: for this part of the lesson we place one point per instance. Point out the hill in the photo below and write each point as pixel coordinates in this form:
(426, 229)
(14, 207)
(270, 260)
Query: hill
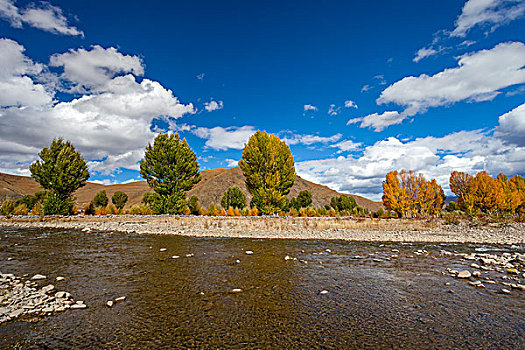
(210, 189)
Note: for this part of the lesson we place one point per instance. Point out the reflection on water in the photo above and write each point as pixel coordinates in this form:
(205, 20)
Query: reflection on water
(375, 300)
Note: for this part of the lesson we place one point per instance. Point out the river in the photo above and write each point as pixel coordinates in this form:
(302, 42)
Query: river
(391, 297)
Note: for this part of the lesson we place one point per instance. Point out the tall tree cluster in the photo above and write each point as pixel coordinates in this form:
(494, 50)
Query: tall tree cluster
(408, 193)
(483, 193)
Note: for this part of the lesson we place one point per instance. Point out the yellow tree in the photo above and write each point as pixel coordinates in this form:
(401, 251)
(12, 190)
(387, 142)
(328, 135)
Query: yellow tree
(519, 183)
(511, 198)
(459, 184)
(488, 194)
(394, 196)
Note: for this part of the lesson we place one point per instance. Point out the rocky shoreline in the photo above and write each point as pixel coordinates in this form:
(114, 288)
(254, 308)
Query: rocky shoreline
(351, 229)
(25, 297)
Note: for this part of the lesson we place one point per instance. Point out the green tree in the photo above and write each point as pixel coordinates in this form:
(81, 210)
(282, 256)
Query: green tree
(62, 170)
(7, 207)
(120, 199)
(343, 203)
(171, 169)
(149, 198)
(269, 171)
(101, 199)
(28, 200)
(233, 197)
(303, 200)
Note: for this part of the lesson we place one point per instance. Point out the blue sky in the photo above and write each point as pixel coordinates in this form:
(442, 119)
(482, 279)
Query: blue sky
(357, 88)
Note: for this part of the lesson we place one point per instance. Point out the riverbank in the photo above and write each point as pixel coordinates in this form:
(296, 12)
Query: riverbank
(364, 230)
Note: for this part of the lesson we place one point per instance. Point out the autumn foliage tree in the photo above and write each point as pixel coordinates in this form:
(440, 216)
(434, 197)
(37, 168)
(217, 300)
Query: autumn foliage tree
(268, 167)
(408, 193)
(485, 194)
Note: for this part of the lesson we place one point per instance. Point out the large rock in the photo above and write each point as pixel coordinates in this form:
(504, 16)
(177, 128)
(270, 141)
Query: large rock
(38, 277)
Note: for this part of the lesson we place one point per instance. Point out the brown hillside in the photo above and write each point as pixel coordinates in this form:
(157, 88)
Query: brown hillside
(210, 189)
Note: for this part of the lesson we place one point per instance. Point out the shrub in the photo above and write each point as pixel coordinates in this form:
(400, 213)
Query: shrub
(452, 206)
(20, 209)
(37, 209)
(149, 198)
(303, 200)
(101, 199)
(112, 209)
(120, 199)
(311, 212)
(233, 197)
(237, 212)
(194, 205)
(134, 210)
(55, 204)
(7, 207)
(230, 211)
(294, 212)
(343, 203)
(100, 211)
(28, 200)
(380, 213)
(89, 209)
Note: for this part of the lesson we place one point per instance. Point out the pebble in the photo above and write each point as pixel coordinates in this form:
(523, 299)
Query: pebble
(175, 257)
(38, 277)
(287, 258)
(189, 255)
(323, 292)
(109, 303)
(78, 306)
(505, 291)
(474, 266)
(249, 252)
(476, 273)
(328, 250)
(162, 249)
(236, 290)
(119, 299)
(464, 274)
(60, 278)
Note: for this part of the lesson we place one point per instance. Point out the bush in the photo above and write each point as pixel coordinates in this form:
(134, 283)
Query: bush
(233, 197)
(120, 199)
(7, 207)
(37, 209)
(89, 209)
(112, 209)
(55, 204)
(452, 206)
(194, 205)
(380, 213)
(101, 199)
(230, 211)
(294, 212)
(134, 210)
(149, 198)
(20, 209)
(303, 200)
(343, 203)
(28, 200)
(311, 212)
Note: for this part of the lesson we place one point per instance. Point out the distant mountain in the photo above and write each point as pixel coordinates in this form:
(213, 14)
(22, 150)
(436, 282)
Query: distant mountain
(210, 189)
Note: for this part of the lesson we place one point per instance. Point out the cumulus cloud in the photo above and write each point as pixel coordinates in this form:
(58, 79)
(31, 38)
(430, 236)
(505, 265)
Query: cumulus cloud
(512, 126)
(350, 104)
(470, 151)
(310, 108)
(110, 127)
(221, 139)
(93, 69)
(487, 12)
(213, 105)
(378, 122)
(479, 77)
(42, 16)
(231, 163)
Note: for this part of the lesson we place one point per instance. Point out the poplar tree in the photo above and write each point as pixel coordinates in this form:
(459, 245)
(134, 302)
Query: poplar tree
(170, 167)
(268, 167)
(62, 170)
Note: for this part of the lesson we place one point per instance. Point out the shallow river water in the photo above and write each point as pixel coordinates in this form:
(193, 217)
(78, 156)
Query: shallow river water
(379, 301)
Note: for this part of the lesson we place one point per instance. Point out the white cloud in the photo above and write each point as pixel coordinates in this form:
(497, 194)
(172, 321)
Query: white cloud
(43, 16)
(365, 88)
(231, 163)
(93, 69)
(479, 77)
(378, 122)
(350, 104)
(469, 151)
(512, 126)
(17, 87)
(333, 110)
(201, 76)
(487, 12)
(310, 108)
(219, 138)
(310, 139)
(110, 127)
(424, 52)
(213, 105)
(346, 145)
